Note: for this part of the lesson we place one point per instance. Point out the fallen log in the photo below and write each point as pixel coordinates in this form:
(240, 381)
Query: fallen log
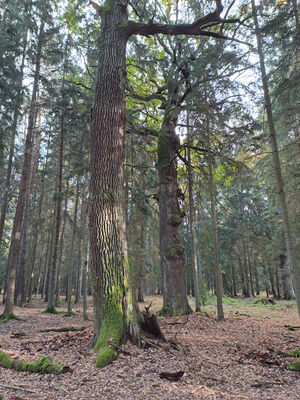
(65, 329)
(43, 366)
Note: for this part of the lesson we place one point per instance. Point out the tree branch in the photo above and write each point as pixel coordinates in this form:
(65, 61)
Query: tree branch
(96, 7)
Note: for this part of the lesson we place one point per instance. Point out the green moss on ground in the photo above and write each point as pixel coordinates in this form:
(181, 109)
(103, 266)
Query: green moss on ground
(264, 301)
(294, 366)
(52, 310)
(295, 353)
(110, 335)
(43, 366)
(5, 318)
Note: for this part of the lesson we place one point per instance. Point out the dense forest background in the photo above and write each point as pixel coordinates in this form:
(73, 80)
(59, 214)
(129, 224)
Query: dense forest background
(229, 215)
(149, 174)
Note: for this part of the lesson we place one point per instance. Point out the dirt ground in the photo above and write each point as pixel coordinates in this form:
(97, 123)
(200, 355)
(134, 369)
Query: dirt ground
(240, 358)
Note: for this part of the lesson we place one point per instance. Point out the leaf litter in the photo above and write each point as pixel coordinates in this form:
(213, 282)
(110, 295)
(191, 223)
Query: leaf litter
(240, 358)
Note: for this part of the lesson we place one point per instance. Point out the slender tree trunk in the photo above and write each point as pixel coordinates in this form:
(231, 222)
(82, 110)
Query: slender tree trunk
(17, 225)
(53, 267)
(17, 111)
(61, 246)
(290, 245)
(218, 272)
(84, 283)
(233, 277)
(23, 263)
(81, 239)
(193, 235)
(71, 257)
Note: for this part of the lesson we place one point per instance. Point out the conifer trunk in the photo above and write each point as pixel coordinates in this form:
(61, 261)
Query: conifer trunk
(18, 219)
(192, 233)
(218, 272)
(290, 242)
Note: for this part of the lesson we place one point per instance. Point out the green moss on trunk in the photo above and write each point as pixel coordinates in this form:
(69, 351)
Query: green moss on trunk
(111, 333)
(43, 366)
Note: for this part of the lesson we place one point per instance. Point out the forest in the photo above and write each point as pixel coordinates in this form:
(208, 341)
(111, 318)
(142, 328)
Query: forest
(150, 199)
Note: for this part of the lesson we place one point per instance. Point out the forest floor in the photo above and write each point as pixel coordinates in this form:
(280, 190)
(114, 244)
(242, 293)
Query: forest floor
(240, 358)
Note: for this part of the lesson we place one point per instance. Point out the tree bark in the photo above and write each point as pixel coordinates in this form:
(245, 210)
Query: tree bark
(170, 216)
(212, 193)
(193, 235)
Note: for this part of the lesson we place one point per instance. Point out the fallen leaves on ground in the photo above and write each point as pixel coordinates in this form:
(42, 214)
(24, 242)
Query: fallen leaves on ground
(240, 358)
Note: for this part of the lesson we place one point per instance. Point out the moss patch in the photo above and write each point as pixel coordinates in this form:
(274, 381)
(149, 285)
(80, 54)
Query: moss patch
(5, 318)
(174, 250)
(111, 333)
(43, 366)
(52, 310)
(294, 366)
(295, 353)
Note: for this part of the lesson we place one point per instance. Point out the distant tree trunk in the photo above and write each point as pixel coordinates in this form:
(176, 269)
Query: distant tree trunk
(212, 193)
(84, 283)
(257, 286)
(23, 260)
(61, 245)
(277, 278)
(249, 268)
(36, 232)
(81, 239)
(17, 225)
(193, 236)
(288, 290)
(59, 179)
(170, 216)
(290, 245)
(233, 277)
(272, 280)
(246, 272)
(71, 258)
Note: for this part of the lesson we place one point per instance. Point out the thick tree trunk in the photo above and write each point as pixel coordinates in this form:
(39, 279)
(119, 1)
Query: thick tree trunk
(290, 243)
(17, 225)
(113, 302)
(170, 216)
